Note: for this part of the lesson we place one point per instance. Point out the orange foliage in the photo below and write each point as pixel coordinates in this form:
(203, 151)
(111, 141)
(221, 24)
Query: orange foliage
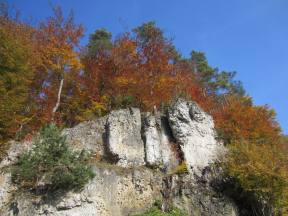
(240, 120)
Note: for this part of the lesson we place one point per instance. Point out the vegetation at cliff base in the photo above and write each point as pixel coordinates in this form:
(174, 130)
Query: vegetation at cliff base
(51, 165)
(156, 211)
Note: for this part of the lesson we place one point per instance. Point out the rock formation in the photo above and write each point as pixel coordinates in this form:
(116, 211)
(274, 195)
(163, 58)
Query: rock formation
(137, 158)
(193, 129)
(124, 137)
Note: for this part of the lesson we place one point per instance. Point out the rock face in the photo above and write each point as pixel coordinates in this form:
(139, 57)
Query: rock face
(159, 143)
(88, 135)
(138, 155)
(124, 137)
(194, 131)
(197, 196)
(114, 191)
(152, 141)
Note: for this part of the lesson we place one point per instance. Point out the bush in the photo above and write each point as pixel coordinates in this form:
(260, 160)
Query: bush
(52, 164)
(261, 170)
(156, 211)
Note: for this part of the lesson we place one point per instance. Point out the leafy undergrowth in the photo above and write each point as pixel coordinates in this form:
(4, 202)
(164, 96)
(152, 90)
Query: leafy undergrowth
(156, 211)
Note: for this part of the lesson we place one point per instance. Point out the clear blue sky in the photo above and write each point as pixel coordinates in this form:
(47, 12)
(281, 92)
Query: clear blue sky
(248, 36)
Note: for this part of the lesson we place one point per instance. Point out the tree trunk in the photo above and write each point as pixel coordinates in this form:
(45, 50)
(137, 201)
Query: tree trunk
(58, 99)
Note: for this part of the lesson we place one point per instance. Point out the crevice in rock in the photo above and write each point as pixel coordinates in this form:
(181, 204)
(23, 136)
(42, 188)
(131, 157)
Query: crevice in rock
(167, 195)
(175, 146)
(108, 156)
(143, 137)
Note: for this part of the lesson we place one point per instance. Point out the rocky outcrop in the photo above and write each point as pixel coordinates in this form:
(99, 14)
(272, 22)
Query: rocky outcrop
(137, 159)
(88, 135)
(160, 147)
(197, 197)
(124, 141)
(152, 141)
(193, 129)
(114, 191)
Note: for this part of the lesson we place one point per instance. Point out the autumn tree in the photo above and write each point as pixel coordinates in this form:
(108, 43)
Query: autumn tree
(58, 38)
(17, 67)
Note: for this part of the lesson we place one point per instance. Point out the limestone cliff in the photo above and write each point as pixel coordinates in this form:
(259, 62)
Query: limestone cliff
(136, 160)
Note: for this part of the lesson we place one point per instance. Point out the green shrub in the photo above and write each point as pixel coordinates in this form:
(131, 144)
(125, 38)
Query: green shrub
(156, 211)
(50, 163)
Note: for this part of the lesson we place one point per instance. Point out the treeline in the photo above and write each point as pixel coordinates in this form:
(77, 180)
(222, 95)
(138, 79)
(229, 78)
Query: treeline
(45, 76)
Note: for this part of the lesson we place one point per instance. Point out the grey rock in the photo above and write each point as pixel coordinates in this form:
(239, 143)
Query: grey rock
(152, 141)
(124, 140)
(89, 135)
(159, 142)
(14, 151)
(113, 192)
(194, 131)
(6, 186)
(197, 197)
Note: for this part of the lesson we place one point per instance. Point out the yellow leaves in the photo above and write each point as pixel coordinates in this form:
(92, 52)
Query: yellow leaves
(261, 168)
(181, 168)
(97, 108)
(125, 81)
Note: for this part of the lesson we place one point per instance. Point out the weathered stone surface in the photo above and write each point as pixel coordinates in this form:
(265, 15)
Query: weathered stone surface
(6, 186)
(113, 192)
(152, 139)
(197, 197)
(158, 142)
(194, 131)
(170, 156)
(124, 140)
(14, 151)
(88, 135)
(6, 189)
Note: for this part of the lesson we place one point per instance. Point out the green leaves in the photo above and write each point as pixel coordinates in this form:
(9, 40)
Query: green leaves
(15, 78)
(156, 211)
(99, 42)
(52, 163)
(213, 80)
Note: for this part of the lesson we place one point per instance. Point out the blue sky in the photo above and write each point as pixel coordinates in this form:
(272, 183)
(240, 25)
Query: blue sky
(247, 36)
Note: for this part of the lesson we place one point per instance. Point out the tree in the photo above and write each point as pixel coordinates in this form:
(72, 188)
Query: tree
(204, 73)
(99, 43)
(215, 82)
(57, 38)
(261, 170)
(51, 164)
(17, 67)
